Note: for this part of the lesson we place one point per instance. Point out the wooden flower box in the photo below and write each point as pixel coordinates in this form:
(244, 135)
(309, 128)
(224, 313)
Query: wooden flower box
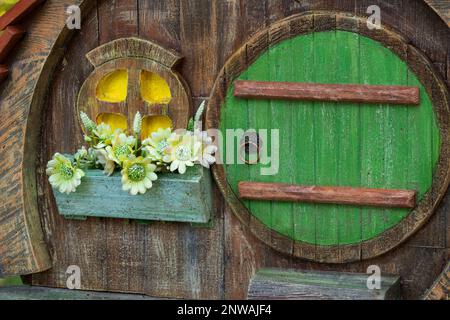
(173, 197)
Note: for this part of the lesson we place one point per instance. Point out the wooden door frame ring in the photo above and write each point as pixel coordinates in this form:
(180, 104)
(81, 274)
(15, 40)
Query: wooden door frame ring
(436, 88)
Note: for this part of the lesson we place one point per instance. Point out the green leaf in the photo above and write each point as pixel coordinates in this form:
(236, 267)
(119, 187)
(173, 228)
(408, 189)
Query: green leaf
(200, 110)
(191, 124)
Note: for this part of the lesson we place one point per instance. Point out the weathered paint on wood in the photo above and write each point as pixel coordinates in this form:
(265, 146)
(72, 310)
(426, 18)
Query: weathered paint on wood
(25, 292)
(406, 227)
(283, 284)
(133, 48)
(173, 197)
(195, 254)
(18, 12)
(402, 95)
(322, 194)
(377, 158)
(225, 257)
(8, 39)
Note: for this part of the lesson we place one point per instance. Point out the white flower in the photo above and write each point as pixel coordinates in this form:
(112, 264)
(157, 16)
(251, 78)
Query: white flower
(103, 159)
(207, 150)
(122, 147)
(137, 175)
(63, 175)
(81, 153)
(158, 144)
(104, 134)
(183, 152)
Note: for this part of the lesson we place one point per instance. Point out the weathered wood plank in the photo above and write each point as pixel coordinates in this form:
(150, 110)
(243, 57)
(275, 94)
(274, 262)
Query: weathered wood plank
(327, 194)
(174, 245)
(22, 247)
(18, 12)
(440, 290)
(8, 39)
(442, 8)
(327, 92)
(318, 285)
(42, 293)
(132, 47)
(110, 246)
(194, 33)
(160, 22)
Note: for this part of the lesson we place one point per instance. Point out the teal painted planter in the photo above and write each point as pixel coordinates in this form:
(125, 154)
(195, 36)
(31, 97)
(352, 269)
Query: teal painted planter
(173, 197)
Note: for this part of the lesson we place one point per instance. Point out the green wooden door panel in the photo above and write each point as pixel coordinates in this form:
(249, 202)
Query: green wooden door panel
(328, 143)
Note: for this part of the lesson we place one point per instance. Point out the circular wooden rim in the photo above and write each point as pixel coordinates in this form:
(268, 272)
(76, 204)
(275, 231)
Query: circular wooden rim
(309, 22)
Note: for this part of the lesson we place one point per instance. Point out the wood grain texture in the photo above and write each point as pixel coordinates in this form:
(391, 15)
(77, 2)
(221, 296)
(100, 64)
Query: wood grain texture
(8, 39)
(3, 72)
(322, 194)
(22, 249)
(440, 290)
(133, 48)
(442, 8)
(41, 293)
(327, 92)
(280, 284)
(18, 12)
(153, 259)
(145, 251)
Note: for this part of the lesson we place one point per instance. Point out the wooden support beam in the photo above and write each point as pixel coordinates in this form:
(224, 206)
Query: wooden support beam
(17, 12)
(3, 72)
(337, 195)
(8, 39)
(327, 92)
(287, 284)
(26, 292)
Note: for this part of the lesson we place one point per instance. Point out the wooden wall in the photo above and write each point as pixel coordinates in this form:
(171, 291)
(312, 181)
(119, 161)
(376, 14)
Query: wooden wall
(177, 260)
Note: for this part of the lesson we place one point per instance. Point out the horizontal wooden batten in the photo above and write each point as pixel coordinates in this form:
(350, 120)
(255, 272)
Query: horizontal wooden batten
(18, 12)
(402, 95)
(8, 39)
(388, 198)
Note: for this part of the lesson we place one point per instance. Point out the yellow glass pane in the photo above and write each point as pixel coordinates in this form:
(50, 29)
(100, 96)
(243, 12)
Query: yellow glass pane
(153, 123)
(154, 89)
(113, 86)
(5, 5)
(115, 120)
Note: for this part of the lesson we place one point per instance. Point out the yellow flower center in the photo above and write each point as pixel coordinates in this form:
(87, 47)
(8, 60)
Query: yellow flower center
(66, 171)
(136, 172)
(122, 150)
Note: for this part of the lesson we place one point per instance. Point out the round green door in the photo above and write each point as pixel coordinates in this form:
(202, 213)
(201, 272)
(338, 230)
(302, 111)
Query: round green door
(335, 143)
